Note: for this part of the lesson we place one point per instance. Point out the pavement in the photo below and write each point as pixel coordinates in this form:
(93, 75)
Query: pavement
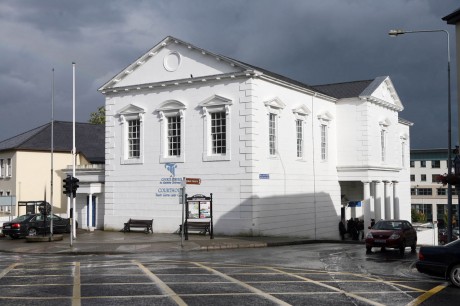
(137, 242)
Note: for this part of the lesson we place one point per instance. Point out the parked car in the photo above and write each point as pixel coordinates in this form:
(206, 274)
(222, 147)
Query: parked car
(443, 261)
(442, 236)
(395, 234)
(33, 224)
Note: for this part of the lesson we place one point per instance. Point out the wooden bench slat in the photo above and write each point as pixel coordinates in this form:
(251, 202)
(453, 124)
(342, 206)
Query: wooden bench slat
(137, 223)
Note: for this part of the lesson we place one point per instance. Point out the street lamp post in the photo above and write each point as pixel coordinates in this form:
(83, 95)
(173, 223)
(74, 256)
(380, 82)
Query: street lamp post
(395, 33)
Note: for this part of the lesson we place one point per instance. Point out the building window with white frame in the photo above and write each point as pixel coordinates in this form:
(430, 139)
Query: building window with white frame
(9, 168)
(300, 114)
(403, 154)
(172, 113)
(134, 138)
(383, 145)
(272, 129)
(325, 119)
(131, 118)
(217, 132)
(274, 108)
(2, 168)
(299, 134)
(174, 136)
(324, 142)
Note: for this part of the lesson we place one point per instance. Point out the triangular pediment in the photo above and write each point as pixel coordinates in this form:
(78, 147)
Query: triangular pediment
(382, 91)
(130, 109)
(174, 60)
(215, 100)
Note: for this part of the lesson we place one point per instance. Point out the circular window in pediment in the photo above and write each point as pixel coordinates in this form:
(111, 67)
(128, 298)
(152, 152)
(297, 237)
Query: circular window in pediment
(172, 61)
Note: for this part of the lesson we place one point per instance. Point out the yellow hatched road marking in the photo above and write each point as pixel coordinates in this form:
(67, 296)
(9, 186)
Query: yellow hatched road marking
(165, 288)
(427, 295)
(327, 286)
(8, 269)
(245, 285)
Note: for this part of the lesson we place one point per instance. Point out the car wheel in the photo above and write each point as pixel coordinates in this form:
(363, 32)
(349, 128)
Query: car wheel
(32, 231)
(14, 236)
(454, 275)
(413, 247)
(442, 242)
(368, 249)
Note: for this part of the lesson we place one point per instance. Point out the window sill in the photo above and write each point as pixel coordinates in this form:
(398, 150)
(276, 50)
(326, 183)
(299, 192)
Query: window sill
(172, 159)
(210, 158)
(132, 161)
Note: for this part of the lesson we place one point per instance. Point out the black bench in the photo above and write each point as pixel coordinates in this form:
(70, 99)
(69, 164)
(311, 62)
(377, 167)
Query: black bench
(202, 227)
(135, 223)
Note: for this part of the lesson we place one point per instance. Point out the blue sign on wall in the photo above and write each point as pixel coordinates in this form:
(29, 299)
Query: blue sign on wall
(354, 204)
(264, 176)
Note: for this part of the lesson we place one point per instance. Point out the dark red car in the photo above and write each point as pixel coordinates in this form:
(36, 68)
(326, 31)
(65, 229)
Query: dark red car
(393, 234)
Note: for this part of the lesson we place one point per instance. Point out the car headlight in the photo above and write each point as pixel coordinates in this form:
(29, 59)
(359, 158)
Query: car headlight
(394, 236)
(369, 235)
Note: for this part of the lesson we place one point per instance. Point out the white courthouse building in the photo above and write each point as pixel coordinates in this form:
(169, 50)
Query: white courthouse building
(280, 157)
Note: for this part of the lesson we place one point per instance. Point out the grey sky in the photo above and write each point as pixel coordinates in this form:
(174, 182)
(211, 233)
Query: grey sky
(313, 41)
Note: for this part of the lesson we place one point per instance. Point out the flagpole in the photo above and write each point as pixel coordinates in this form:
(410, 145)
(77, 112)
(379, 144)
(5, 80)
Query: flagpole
(52, 152)
(74, 213)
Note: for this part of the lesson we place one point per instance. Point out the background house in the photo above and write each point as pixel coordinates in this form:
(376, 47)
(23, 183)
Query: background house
(428, 197)
(25, 163)
(280, 157)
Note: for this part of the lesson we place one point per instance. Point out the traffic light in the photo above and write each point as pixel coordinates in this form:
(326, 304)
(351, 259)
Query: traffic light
(67, 185)
(75, 186)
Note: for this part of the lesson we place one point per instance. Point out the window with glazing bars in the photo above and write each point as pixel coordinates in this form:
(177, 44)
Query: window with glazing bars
(134, 138)
(218, 133)
(272, 134)
(174, 136)
(382, 144)
(323, 142)
(299, 128)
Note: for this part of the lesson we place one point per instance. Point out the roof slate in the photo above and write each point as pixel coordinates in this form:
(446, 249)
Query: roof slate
(89, 140)
(344, 90)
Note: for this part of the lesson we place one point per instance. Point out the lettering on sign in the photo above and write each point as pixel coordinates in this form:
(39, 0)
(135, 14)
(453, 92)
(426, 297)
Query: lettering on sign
(192, 181)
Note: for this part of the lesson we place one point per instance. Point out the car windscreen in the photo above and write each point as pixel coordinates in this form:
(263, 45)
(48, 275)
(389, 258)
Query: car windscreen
(388, 225)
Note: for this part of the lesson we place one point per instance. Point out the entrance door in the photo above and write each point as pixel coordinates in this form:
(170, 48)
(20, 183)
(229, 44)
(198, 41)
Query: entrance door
(93, 213)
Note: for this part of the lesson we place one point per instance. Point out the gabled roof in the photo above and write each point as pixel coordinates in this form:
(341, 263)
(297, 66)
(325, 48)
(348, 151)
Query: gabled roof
(453, 17)
(89, 140)
(379, 90)
(344, 90)
(244, 68)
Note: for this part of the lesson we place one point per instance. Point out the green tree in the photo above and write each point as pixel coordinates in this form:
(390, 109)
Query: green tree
(98, 117)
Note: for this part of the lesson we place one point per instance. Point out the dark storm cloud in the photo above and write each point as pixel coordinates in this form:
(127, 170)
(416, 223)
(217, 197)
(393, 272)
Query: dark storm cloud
(313, 41)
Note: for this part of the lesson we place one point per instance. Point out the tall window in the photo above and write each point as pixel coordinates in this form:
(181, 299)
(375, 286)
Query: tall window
(435, 164)
(218, 133)
(2, 168)
(174, 136)
(299, 132)
(323, 141)
(134, 138)
(403, 154)
(272, 133)
(423, 164)
(383, 145)
(9, 169)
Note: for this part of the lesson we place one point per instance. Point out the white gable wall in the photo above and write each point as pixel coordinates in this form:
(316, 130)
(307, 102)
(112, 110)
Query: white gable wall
(155, 68)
